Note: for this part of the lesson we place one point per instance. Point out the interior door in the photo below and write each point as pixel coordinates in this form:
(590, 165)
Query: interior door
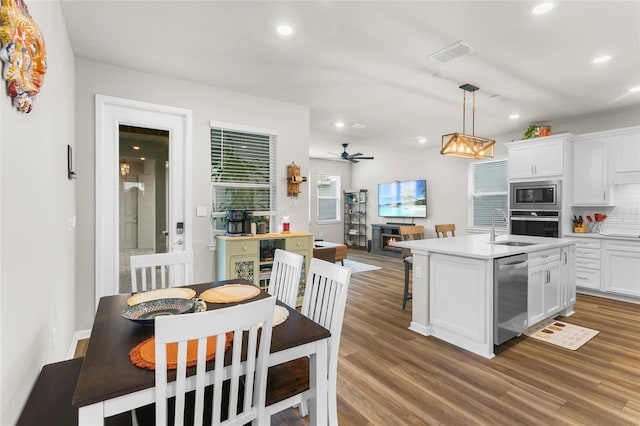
(128, 220)
(111, 113)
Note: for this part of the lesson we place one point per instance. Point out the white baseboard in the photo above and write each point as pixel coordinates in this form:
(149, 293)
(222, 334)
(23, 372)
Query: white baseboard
(78, 335)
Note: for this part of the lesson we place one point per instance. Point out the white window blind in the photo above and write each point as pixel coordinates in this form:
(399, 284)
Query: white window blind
(242, 174)
(328, 198)
(489, 190)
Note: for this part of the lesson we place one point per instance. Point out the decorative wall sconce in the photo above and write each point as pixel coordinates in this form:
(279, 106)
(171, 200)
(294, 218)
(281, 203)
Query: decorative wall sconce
(294, 180)
(124, 169)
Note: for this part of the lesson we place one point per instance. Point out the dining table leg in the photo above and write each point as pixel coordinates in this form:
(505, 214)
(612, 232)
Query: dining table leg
(318, 380)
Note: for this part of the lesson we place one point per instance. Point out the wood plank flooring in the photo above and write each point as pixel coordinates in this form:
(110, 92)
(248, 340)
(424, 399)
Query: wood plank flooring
(388, 375)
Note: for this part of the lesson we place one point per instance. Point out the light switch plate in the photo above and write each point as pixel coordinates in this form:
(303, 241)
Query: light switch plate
(201, 211)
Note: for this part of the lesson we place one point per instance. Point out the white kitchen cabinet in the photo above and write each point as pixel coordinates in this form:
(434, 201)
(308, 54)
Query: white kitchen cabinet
(588, 263)
(591, 184)
(536, 158)
(621, 267)
(625, 152)
(545, 285)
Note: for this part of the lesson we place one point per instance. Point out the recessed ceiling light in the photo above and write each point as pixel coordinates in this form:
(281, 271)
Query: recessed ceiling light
(136, 147)
(635, 89)
(601, 59)
(142, 158)
(422, 139)
(284, 30)
(339, 124)
(357, 125)
(542, 8)
(514, 116)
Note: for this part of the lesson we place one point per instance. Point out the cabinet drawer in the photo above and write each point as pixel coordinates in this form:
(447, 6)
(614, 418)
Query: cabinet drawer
(589, 278)
(629, 246)
(587, 243)
(240, 248)
(544, 257)
(298, 243)
(588, 253)
(584, 262)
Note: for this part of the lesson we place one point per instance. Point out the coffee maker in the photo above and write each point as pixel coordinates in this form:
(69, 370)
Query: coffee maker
(239, 222)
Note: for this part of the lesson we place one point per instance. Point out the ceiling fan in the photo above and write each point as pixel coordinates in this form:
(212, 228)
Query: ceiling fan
(353, 157)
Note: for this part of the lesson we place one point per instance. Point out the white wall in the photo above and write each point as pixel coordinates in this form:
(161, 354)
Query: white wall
(207, 103)
(333, 232)
(36, 200)
(446, 184)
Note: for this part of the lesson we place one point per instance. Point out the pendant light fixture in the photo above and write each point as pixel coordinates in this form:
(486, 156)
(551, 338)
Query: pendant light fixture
(463, 145)
(124, 169)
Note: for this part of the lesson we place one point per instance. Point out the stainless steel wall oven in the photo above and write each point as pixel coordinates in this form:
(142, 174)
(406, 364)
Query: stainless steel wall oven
(535, 208)
(539, 223)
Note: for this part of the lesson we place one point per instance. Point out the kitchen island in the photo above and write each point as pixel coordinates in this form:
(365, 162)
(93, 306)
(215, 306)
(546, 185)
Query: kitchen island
(453, 285)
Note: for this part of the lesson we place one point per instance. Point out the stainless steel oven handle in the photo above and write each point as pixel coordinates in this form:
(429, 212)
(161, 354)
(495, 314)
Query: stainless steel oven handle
(534, 219)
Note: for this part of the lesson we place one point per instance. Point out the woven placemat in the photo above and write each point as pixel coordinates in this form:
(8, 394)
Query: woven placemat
(144, 354)
(230, 293)
(161, 293)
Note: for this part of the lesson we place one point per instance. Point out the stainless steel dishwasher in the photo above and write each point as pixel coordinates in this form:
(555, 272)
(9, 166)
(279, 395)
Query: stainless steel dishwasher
(511, 282)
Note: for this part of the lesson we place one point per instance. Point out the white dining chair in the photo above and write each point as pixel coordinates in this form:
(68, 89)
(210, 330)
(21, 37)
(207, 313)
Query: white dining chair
(285, 276)
(250, 375)
(161, 270)
(324, 302)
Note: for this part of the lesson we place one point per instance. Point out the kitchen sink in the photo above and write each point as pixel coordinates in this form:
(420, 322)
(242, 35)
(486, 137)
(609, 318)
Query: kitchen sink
(512, 243)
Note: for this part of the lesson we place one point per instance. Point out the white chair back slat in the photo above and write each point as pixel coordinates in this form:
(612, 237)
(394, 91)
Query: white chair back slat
(285, 276)
(174, 269)
(182, 328)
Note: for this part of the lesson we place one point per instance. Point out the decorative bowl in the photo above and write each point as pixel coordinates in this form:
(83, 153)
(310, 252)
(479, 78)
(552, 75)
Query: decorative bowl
(145, 312)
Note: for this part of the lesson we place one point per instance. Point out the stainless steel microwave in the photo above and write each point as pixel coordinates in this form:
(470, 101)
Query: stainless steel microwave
(540, 195)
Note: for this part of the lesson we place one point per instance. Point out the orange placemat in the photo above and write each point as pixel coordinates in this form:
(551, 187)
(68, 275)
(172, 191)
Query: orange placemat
(230, 293)
(144, 354)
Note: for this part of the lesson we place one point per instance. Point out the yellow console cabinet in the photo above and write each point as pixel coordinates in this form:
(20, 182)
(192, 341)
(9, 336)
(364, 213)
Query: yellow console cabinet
(251, 257)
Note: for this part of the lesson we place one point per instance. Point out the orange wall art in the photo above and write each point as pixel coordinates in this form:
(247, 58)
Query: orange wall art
(23, 54)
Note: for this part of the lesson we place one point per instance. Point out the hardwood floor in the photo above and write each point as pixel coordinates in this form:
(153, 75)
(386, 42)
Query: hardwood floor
(388, 375)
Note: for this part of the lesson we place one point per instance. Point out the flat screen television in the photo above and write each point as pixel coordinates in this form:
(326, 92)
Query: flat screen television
(403, 199)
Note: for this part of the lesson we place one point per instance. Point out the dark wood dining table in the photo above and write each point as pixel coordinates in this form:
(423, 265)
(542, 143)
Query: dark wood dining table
(109, 383)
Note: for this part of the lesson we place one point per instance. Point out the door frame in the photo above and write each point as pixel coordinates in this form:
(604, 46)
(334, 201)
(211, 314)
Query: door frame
(111, 112)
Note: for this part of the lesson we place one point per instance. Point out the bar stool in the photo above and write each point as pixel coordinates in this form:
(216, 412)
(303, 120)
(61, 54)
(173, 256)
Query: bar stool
(409, 233)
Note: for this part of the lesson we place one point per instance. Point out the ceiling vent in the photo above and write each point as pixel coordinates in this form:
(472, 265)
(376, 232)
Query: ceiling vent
(451, 52)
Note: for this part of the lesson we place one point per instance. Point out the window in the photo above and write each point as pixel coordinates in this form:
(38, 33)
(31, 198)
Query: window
(328, 198)
(489, 190)
(242, 173)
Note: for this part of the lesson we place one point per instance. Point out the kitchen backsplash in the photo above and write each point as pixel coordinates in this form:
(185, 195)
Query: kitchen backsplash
(624, 216)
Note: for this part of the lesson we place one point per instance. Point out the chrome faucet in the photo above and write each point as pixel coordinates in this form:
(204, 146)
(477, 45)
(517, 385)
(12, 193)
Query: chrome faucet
(492, 235)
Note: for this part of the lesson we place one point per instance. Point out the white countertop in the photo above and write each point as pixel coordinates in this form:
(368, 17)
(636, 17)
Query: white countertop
(478, 246)
(613, 235)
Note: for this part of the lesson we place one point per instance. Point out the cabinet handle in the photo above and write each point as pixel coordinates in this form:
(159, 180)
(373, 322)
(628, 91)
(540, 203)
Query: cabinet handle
(244, 248)
(604, 195)
(582, 278)
(565, 257)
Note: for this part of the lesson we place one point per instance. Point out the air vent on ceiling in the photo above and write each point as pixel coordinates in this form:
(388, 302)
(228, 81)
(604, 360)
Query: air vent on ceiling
(450, 52)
